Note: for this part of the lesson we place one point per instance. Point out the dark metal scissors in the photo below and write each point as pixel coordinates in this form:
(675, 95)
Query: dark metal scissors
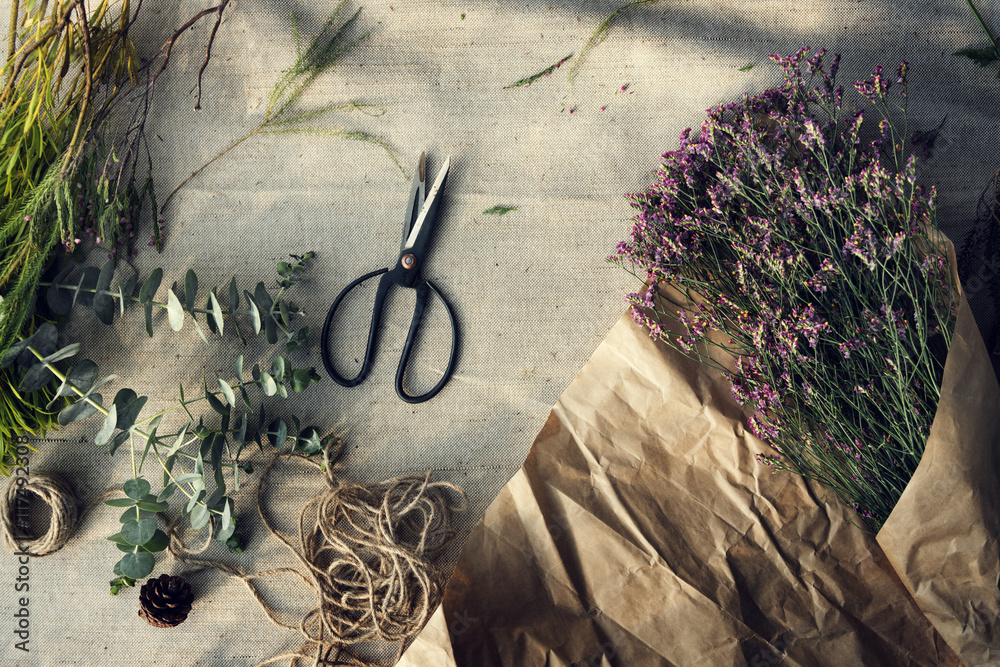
(417, 226)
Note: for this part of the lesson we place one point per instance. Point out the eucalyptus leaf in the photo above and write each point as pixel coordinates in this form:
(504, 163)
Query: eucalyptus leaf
(270, 331)
(268, 384)
(238, 368)
(263, 299)
(234, 296)
(190, 289)
(58, 298)
(241, 433)
(255, 320)
(117, 441)
(175, 312)
(300, 379)
(210, 318)
(147, 311)
(198, 330)
(132, 514)
(168, 468)
(84, 294)
(151, 439)
(227, 515)
(44, 339)
(193, 502)
(215, 501)
(179, 442)
(310, 441)
(139, 532)
(148, 289)
(120, 502)
(227, 391)
(282, 391)
(37, 377)
(82, 376)
(129, 406)
(125, 290)
(158, 542)
(153, 506)
(127, 548)
(108, 428)
(216, 311)
(200, 517)
(278, 368)
(223, 534)
(187, 477)
(65, 353)
(214, 402)
(79, 410)
(137, 565)
(245, 396)
(104, 303)
(205, 450)
(277, 432)
(14, 351)
(285, 317)
(117, 538)
(136, 488)
(167, 491)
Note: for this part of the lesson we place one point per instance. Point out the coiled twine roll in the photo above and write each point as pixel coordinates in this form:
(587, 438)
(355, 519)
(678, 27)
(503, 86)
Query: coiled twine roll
(52, 490)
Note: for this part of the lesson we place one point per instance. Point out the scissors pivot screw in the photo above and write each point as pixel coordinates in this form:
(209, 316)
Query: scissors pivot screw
(408, 261)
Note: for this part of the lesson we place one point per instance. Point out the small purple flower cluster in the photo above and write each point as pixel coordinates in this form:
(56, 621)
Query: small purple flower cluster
(104, 220)
(812, 252)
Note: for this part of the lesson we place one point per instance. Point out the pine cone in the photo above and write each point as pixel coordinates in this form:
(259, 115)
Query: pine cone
(165, 601)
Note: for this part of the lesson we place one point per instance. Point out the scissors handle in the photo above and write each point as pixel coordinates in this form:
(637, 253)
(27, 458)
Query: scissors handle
(422, 288)
(370, 349)
(418, 313)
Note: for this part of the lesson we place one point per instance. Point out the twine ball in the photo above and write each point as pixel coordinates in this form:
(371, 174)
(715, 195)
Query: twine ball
(55, 492)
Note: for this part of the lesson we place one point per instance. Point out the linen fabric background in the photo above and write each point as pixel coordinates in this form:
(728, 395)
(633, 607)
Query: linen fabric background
(533, 294)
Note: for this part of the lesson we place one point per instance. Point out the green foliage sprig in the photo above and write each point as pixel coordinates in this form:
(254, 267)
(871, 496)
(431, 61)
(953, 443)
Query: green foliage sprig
(982, 57)
(281, 116)
(499, 210)
(193, 459)
(93, 288)
(528, 80)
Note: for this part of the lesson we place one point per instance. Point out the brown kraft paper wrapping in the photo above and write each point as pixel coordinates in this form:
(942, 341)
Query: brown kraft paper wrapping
(641, 531)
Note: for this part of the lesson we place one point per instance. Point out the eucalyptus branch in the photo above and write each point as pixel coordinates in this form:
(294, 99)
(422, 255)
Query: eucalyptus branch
(93, 287)
(140, 536)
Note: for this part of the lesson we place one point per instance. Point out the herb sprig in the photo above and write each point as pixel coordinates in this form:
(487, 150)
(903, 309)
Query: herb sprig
(281, 117)
(982, 57)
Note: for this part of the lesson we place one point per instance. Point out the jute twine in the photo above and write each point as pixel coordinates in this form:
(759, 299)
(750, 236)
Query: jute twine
(66, 515)
(367, 554)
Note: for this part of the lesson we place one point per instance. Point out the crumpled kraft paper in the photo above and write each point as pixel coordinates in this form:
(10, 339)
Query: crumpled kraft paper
(641, 531)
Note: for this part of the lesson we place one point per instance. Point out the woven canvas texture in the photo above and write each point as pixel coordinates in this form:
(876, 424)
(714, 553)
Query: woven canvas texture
(532, 291)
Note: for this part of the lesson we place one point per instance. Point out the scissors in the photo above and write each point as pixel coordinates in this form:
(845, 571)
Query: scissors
(417, 226)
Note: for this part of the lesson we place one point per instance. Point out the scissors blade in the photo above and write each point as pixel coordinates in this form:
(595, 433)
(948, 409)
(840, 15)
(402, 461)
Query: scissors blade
(430, 205)
(416, 200)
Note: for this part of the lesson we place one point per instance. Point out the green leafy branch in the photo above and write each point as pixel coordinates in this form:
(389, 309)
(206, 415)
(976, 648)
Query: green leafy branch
(982, 57)
(93, 288)
(280, 117)
(140, 536)
(499, 209)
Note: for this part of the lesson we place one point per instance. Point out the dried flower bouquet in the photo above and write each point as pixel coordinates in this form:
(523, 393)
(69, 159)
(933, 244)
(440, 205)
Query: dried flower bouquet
(804, 261)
